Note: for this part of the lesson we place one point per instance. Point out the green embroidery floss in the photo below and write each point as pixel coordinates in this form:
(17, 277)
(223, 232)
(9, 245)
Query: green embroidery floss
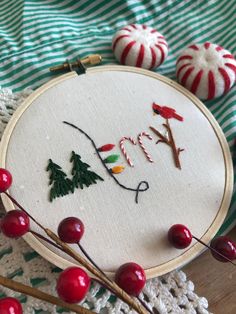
(111, 159)
(61, 185)
(81, 175)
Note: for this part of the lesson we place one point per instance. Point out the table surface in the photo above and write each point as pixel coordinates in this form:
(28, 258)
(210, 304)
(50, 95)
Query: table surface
(214, 280)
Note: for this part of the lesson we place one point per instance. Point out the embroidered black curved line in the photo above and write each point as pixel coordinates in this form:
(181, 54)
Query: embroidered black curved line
(137, 190)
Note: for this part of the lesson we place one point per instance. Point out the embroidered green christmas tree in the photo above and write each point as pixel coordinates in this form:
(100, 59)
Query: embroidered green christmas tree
(81, 175)
(61, 185)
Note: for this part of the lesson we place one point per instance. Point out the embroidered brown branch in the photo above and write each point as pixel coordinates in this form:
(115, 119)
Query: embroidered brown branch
(169, 140)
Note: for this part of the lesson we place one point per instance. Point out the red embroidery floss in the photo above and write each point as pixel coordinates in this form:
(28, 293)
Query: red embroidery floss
(106, 148)
(149, 158)
(127, 157)
(166, 112)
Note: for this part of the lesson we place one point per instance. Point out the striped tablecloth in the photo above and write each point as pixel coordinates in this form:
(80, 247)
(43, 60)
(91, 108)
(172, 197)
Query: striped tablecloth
(36, 34)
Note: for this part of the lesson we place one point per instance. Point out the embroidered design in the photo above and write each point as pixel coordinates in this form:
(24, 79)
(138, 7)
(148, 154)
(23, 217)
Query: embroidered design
(166, 112)
(111, 159)
(61, 185)
(139, 187)
(169, 140)
(117, 169)
(149, 158)
(81, 175)
(127, 157)
(106, 148)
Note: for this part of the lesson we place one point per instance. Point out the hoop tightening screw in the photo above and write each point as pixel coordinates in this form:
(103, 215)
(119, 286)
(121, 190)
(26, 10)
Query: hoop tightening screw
(70, 66)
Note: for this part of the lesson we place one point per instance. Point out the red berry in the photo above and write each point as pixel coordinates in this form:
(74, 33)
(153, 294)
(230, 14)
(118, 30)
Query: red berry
(179, 236)
(225, 246)
(15, 224)
(73, 285)
(131, 278)
(5, 180)
(10, 306)
(71, 230)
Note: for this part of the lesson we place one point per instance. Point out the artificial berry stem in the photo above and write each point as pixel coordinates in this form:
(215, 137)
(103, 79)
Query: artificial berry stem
(138, 298)
(99, 269)
(68, 250)
(18, 205)
(45, 239)
(112, 285)
(92, 261)
(19, 287)
(214, 250)
(144, 304)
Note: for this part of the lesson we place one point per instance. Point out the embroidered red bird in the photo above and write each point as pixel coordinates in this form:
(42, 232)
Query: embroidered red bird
(166, 112)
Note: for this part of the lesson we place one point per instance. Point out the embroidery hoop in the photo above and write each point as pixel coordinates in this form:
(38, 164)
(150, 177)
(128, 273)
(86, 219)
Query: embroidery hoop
(195, 249)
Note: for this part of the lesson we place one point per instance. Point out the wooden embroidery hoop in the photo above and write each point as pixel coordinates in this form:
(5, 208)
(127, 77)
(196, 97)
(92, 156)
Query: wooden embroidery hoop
(194, 250)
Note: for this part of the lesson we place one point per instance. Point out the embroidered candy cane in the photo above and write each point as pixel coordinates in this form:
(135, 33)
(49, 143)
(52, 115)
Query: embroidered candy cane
(142, 146)
(122, 140)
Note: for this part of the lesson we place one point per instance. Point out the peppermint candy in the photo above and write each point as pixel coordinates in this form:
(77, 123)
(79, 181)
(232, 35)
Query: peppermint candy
(207, 70)
(140, 46)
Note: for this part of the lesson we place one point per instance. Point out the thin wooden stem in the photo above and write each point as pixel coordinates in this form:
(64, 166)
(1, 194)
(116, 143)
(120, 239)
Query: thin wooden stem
(138, 298)
(144, 305)
(45, 239)
(27, 290)
(110, 284)
(91, 260)
(20, 207)
(101, 283)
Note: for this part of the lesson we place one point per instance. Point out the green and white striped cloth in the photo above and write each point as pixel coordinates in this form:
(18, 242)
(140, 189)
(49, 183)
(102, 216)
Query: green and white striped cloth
(36, 34)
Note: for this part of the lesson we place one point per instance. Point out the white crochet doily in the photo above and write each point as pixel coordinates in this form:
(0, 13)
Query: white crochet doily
(171, 293)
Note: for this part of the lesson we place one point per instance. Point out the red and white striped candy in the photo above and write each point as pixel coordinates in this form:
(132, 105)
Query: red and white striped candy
(140, 46)
(207, 70)
(127, 157)
(148, 156)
